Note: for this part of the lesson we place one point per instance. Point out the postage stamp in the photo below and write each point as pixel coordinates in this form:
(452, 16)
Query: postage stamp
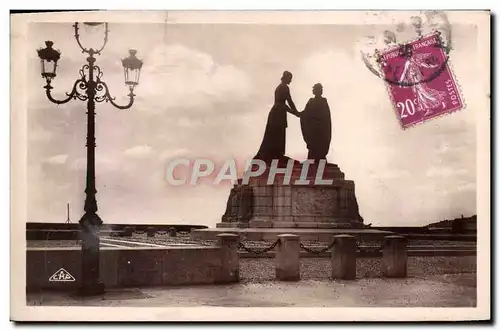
(420, 81)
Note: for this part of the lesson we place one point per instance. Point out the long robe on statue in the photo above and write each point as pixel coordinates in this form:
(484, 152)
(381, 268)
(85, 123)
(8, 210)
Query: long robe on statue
(316, 125)
(273, 142)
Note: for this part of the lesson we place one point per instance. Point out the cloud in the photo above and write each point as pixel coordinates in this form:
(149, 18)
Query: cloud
(57, 159)
(79, 164)
(39, 135)
(138, 151)
(169, 153)
(106, 162)
(391, 174)
(180, 79)
(460, 189)
(445, 172)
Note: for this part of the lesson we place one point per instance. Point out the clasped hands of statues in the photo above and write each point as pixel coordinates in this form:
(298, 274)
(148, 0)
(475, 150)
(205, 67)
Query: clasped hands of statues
(295, 112)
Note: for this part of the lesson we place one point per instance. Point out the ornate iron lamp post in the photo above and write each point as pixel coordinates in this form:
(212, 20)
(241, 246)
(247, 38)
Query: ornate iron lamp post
(90, 88)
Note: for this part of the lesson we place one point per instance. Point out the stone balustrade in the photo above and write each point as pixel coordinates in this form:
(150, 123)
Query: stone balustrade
(344, 257)
(160, 266)
(150, 232)
(394, 256)
(230, 267)
(288, 257)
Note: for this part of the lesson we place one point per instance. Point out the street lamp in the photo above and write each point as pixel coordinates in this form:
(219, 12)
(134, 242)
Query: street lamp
(89, 87)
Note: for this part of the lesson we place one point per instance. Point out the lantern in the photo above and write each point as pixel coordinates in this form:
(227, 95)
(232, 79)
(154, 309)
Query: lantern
(48, 58)
(132, 69)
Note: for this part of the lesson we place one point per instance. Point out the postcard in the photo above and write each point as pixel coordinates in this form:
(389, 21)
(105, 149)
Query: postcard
(250, 166)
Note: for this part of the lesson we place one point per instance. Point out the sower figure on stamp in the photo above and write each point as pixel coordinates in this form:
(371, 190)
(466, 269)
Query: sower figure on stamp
(316, 125)
(273, 143)
(427, 99)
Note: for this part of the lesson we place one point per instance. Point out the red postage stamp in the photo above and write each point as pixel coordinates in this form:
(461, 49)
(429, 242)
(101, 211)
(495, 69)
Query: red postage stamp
(420, 81)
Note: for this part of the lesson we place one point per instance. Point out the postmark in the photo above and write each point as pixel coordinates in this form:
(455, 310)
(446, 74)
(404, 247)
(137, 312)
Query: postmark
(419, 80)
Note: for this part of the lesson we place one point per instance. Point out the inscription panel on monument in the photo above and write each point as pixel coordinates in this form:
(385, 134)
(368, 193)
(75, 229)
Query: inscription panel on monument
(314, 201)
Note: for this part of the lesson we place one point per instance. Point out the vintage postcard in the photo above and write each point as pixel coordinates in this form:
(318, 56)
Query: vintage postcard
(251, 166)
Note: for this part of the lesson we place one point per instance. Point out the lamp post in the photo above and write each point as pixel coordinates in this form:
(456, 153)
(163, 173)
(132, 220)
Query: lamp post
(90, 88)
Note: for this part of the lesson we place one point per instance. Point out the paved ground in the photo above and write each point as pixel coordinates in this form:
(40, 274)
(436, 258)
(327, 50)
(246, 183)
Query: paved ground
(261, 270)
(446, 290)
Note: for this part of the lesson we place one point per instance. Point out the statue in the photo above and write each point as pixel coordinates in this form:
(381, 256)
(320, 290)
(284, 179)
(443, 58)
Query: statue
(273, 143)
(335, 207)
(316, 125)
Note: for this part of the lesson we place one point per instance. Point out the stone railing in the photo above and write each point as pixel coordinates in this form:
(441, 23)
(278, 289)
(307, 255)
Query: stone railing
(219, 264)
(343, 256)
(137, 266)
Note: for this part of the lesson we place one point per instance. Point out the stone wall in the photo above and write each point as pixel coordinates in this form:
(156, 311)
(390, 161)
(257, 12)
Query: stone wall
(121, 267)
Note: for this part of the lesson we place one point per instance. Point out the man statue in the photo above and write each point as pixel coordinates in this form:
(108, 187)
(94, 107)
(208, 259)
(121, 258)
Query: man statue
(316, 125)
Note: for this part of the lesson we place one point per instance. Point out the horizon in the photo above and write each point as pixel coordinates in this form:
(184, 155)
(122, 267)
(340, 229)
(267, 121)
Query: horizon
(171, 224)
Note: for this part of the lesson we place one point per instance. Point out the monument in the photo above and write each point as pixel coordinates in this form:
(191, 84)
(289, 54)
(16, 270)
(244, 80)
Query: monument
(278, 195)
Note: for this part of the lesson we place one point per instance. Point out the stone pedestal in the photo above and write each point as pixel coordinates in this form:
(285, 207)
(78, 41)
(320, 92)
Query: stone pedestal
(344, 257)
(318, 198)
(394, 256)
(288, 257)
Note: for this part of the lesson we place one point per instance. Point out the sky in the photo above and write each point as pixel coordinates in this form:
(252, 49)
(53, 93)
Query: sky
(206, 90)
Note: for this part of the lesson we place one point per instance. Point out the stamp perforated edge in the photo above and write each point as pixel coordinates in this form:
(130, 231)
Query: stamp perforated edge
(450, 68)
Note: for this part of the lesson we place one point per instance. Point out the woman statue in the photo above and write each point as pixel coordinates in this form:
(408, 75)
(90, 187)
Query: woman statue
(427, 97)
(316, 125)
(273, 143)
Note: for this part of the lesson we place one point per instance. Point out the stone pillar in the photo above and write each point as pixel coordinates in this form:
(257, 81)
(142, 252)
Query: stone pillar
(288, 257)
(394, 256)
(344, 257)
(230, 263)
(128, 231)
(172, 232)
(151, 232)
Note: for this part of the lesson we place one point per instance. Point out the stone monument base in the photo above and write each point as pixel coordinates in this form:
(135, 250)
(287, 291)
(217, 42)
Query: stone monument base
(315, 196)
(313, 223)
